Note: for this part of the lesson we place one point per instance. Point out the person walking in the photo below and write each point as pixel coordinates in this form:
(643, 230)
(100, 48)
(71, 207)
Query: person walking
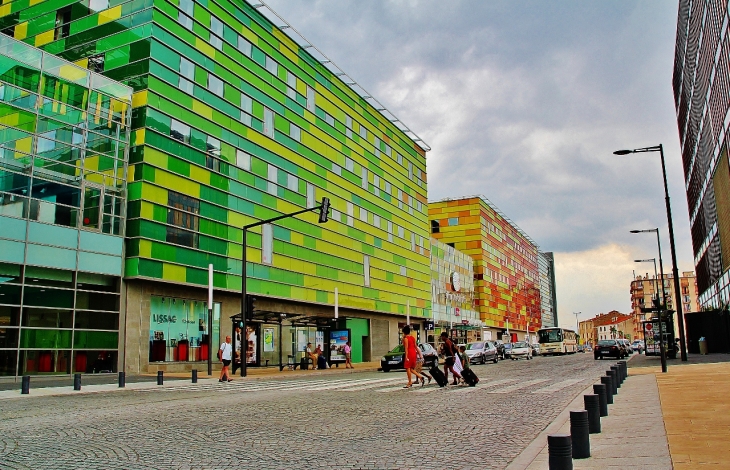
(419, 366)
(225, 354)
(410, 357)
(348, 359)
(449, 351)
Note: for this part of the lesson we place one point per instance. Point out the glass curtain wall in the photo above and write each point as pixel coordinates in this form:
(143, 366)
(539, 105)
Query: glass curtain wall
(179, 329)
(55, 321)
(64, 133)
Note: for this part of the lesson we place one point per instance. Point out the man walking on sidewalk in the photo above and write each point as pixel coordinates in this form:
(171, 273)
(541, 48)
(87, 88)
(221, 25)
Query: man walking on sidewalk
(225, 355)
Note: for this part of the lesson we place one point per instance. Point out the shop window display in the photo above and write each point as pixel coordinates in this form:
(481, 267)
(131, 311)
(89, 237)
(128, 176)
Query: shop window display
(179, 329)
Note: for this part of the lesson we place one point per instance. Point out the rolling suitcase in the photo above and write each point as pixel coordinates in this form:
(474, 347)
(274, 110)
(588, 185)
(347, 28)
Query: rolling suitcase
(438, 376)
(470, 377)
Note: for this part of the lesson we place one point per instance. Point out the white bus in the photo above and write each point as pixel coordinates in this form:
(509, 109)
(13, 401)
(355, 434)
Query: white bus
(557, 341)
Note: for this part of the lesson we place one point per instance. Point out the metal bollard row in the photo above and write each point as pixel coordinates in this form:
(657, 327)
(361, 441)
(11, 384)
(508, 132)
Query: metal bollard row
(580, 434)
(159, 377)
(195, 376)
(122, 380)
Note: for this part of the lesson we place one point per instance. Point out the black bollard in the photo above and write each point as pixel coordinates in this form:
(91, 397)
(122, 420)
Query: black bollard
(624, 369)
(616, 370)
(609, 389)
(600, 390)
(159, 377)
(77, 381)
(195, 376)
(25, 387)
(594, 413)
(560, 451)
(122, 380)
(614, 380)
(579, 434)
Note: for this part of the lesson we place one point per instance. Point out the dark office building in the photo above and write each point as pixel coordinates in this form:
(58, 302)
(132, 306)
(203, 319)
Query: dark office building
(701, 85)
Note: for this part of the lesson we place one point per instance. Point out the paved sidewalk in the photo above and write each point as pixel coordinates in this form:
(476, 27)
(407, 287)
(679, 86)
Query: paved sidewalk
(632, 435)
(40, 387)
(696, 408)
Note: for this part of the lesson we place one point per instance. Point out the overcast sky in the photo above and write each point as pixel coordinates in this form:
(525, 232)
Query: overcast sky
(524, 102)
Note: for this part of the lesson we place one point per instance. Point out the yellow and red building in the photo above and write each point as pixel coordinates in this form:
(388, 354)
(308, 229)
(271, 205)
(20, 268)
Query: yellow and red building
(506, 271)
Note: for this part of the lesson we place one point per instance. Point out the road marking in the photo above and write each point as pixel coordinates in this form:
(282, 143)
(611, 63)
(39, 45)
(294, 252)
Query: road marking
(349, 383)
(519, 386)
(558, 386)
(372, 384)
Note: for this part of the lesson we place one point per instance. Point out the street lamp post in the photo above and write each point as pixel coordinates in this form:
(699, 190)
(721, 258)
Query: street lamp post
(675, 272)
(323, 213)
(662, 349)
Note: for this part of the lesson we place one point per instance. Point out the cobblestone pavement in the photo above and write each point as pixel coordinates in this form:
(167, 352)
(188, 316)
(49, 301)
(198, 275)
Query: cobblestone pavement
(364, 421)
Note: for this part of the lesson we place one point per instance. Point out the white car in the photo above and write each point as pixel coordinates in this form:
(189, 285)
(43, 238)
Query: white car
(521, 349)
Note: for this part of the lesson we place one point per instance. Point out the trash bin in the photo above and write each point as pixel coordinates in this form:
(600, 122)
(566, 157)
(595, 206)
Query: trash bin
(703, 346)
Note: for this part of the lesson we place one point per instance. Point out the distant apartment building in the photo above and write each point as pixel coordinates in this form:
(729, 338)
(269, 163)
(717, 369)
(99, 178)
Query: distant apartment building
(548, 299)
(701, 81)
(643, 289)
(587, 332)
(611, 325)
(506, 271)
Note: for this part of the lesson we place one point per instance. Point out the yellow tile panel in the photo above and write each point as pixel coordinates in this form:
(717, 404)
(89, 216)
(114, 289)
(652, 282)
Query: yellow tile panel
(111, 14)
(204, 47)
(173, 272)
(139, 99)
(177, 183)
(203, 109)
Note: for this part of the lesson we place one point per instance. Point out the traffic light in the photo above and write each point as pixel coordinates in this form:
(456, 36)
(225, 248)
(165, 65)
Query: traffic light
(250, 306)
(324, 210)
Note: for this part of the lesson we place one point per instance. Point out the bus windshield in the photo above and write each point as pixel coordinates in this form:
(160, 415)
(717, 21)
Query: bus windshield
(550, 336)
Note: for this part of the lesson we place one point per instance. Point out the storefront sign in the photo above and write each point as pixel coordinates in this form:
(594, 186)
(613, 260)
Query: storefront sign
(428, 325)
(455, 281)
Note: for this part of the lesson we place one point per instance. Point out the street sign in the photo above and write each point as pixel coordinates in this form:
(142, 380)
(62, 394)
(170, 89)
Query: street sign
(428, 325)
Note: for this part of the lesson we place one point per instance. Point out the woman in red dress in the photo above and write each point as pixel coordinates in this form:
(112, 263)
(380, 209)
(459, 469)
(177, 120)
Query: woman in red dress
(411, 356)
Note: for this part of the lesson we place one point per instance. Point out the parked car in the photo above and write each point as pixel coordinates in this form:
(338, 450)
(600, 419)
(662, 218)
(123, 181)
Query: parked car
(519, 350)
(394, 359)
(507, 350)
(480, 352)
(500, 349)
(627, 347)
(581, 348)
(638, 346)
(608, 348)
(587, 348)
(535, 349)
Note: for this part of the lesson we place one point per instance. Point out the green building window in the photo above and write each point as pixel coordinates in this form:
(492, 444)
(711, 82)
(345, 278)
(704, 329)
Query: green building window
(182, 220)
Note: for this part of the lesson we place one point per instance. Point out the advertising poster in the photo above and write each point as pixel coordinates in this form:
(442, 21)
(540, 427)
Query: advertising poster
(268, 339)
(251, 350)
(301, 340)
(338, 338)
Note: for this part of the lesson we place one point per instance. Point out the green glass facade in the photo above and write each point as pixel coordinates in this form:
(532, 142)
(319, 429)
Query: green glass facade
(64, 135)
(234, 122)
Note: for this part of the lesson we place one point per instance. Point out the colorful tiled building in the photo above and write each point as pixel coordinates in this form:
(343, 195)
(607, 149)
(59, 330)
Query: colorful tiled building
(64, 142)
(506, 273)
(233, 122)
(452, 293)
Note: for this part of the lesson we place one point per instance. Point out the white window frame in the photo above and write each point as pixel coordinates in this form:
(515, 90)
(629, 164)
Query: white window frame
(311, 198)
(364, 177)
(272, 66)
(244, 46)
(310, 99)
(213, 80)
(269, 122)
(366, 269)
(292, 183)
(272, 175)
(243, 160)
(267, 244)
(295, 133)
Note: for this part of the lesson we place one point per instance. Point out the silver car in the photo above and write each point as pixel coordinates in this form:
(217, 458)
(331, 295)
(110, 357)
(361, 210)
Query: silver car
(480, 352)
(520, 349)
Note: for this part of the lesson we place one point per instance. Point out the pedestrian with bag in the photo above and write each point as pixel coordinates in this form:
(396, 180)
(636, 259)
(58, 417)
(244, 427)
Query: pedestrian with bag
(419, 367)
(449, 351)
(348, 358)
(411, 355)
(224, 353)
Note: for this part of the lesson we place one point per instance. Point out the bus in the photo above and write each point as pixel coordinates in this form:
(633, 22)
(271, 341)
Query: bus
(557, 341)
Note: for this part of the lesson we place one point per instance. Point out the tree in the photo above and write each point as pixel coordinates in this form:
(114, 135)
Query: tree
(613, 332)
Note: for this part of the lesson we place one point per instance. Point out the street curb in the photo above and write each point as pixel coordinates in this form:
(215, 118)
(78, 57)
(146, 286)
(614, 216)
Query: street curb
(135, 386)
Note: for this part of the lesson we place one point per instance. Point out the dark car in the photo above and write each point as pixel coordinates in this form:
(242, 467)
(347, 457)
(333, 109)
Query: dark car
(609, 348)
(500, 348)
(481, 351)
(507, 354)
(394, 359)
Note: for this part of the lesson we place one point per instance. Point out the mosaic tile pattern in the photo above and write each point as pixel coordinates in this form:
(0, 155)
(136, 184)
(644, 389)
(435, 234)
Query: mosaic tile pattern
(234, 122)
(506, 275)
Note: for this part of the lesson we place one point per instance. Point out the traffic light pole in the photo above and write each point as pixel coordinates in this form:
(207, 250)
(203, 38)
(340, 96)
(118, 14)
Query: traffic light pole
(323, 210)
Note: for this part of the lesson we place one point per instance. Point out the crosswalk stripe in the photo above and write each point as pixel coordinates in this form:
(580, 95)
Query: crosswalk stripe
(519, 386)
(372, 384)
(558, 386)
(349, 383)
